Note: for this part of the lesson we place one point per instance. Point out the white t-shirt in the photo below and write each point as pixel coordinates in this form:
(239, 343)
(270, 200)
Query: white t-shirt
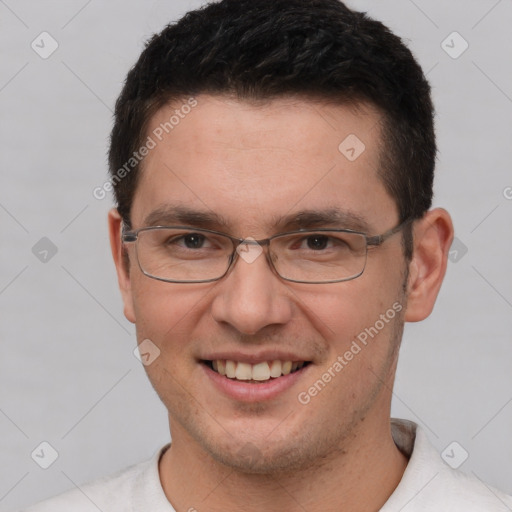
(428, 484)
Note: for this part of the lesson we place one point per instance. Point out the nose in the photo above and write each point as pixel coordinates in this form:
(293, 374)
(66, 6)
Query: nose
(251, 297)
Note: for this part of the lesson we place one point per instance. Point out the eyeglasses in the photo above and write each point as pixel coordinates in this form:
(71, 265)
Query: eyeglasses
(183, 254)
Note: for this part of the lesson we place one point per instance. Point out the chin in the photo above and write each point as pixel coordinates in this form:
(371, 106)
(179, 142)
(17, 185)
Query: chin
(249, 459)
(270, 455)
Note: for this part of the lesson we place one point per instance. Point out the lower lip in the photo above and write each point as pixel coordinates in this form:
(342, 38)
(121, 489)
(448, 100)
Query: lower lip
(252, 392)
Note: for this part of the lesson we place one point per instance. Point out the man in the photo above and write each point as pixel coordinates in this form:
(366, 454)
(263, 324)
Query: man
(273, 164)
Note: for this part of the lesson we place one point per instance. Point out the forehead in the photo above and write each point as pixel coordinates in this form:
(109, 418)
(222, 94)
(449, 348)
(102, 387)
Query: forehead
(250, 163)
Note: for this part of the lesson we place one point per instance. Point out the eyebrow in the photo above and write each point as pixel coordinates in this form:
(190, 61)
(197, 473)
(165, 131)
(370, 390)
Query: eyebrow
(332, 217)
(169, 215)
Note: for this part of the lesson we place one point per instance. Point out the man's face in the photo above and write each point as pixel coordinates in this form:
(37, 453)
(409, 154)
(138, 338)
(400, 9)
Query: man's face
(255, 167)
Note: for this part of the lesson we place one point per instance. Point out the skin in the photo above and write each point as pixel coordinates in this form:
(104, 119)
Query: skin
(251, 163)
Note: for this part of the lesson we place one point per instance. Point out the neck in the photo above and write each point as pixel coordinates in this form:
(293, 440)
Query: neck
(359, 476)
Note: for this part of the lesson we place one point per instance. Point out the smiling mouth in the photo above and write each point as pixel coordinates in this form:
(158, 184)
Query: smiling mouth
(254, 373)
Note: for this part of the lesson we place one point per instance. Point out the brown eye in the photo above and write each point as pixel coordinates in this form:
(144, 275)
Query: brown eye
(193, 241)
(317, 242)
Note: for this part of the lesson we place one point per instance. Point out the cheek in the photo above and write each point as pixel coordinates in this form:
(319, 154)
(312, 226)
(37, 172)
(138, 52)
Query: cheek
(166, 313)
(340, 311)
(362, 351)
(168, 316)
(359, 323)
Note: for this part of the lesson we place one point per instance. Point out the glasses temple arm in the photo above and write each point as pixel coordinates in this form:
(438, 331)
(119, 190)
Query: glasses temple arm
(379, 239)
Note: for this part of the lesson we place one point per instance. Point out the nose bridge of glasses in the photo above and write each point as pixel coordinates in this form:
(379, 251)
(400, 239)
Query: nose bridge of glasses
(249, 249)
(251, 241)
(249, 244)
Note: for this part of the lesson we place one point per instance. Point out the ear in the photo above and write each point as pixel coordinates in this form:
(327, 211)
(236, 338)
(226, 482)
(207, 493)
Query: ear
(433, 235)
(122, 262)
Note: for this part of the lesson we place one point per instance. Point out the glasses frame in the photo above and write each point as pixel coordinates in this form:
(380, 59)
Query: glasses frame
(131, 236)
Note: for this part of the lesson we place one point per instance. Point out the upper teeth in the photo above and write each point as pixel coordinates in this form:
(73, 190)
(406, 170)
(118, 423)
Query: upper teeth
(260, 371)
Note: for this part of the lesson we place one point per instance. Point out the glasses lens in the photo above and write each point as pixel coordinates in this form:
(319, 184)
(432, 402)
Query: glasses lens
(187, 255)
(319, 256)
(183, 255)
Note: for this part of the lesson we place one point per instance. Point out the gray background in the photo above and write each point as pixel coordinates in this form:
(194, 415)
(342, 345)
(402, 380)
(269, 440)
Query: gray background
(68, 374)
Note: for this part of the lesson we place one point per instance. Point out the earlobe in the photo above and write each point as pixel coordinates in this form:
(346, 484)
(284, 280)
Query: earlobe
(121, 262)
(433, 235)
